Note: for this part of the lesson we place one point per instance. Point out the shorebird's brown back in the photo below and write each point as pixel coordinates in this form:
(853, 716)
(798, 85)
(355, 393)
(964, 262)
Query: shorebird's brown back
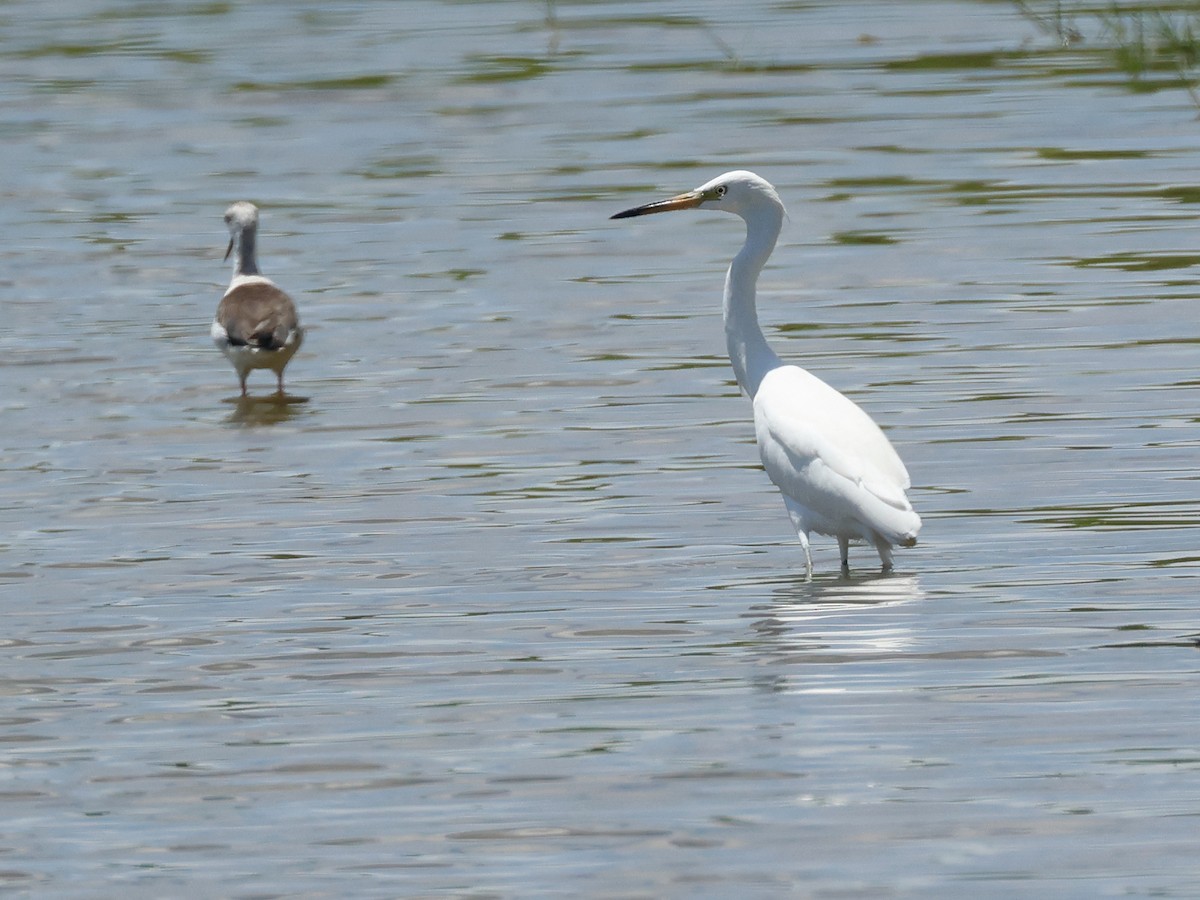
(260, 315)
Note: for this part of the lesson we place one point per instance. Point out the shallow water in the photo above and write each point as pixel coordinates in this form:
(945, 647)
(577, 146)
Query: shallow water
(502, 604)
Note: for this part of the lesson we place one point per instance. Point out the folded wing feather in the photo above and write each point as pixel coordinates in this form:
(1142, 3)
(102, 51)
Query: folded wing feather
(824, 452)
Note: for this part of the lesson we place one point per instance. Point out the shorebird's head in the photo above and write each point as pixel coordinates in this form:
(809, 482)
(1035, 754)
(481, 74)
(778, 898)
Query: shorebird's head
(242, 216)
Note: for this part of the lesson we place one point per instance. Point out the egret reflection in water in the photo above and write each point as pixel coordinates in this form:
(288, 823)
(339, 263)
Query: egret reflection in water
(860, 618)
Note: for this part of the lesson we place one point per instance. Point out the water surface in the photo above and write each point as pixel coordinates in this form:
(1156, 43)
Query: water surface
(505, 606)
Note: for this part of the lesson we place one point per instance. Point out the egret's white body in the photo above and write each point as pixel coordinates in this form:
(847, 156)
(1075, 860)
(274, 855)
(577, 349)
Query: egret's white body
(256, 325)
(838, 473)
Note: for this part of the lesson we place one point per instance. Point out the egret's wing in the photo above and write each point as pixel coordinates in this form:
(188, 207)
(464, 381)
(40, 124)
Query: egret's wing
(822, 450)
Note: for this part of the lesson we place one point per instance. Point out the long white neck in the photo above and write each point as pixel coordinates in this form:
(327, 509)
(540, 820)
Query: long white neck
(244, 260)
(749, 352)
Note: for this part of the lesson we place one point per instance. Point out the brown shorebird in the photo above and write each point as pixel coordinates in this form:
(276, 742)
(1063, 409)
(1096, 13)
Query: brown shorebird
(256, 325)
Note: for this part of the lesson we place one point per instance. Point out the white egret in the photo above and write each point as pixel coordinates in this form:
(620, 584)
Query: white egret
(838, 473)
(256, 326)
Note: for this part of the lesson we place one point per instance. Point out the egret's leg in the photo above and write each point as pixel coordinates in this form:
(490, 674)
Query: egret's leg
(844, 546)
(807, 555)
(885, 553)
(796, 514)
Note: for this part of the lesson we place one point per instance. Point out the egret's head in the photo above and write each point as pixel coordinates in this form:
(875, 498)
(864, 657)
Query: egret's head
(736, 192)
(238, 218)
